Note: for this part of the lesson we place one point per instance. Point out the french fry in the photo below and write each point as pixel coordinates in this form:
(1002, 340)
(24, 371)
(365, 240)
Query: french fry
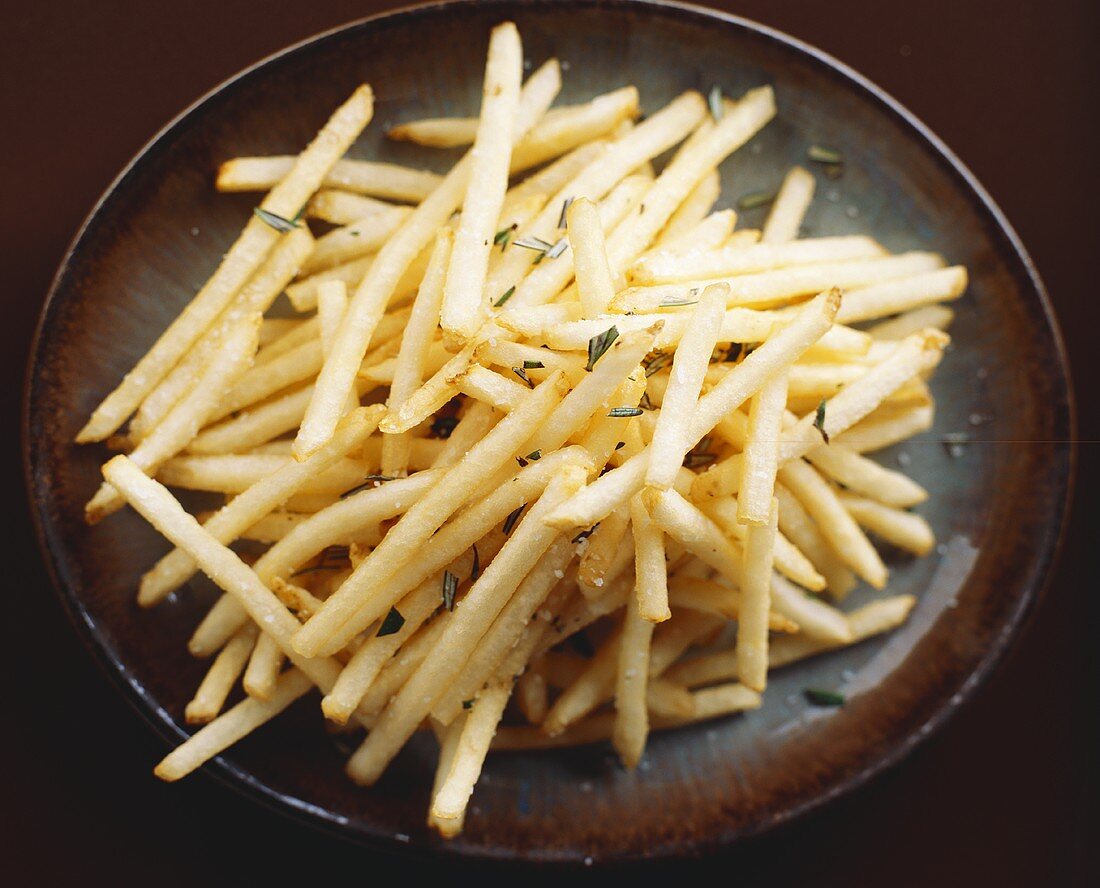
(938, 317)
(904, 294)
(795, 522)
(789, 207)
(708, 234)
(603, 544)
(368, 304)
(593, 274)
(836, 525)
(631, 681)
(233, 725)
(187, 416)
(882, 429)
(343, 207)
(418, 524)
(709, 597)
(416, 341)
(261, 676)
(359, 238)
(863, 623)
(448, 738)
(388, 181)
(220, 677)
(561, 130)
(240, 263)
(759, 459)
(904, 529)
(532, 694)
(693, 210)
(660, 269)
(752, 618)
(651, 586)
(468, 623)
(689, 367)
(463, 309)
(863, 476)
(491, 388)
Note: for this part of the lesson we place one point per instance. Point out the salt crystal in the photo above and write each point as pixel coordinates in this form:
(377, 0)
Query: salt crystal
(598, 581)
(560, 574)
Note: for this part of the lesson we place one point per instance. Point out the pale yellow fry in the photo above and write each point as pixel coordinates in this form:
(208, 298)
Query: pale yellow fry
(865, 476)
(904, 294)
(746, 237)
(837, 526)
(696, 159)
(189, 415)
(693, 210)
(904, 529)
(448, 738)
(593, 274)
(408, 374)
(938, 317)
(592, 395)
(400, 667)
(306, 330)
(464, 310)
(436, 132)
(504, 634)
(813, 616)
(241, 261)
(221, 564)
(257, 296)
(532, 693)
(456, 487)
(689, 366)
(631, 681)
(261, 677)
(220, 677)
(368, 305)
(562, 130)
(590, 688)
(789, 559)
(661, 268)
(449, 803)
(465, 627)
(709, 234)
(864, 622)
(537, 188)
(255, 426)
(231, 726)
(261, 498)
(273, 329)
(482, 384)
(789, 207)
(389, 181)
(615, 487)
(886, 427)
(355, 240)
(650, 138)
(432, 395)
(781, 285)
(343, 207)
(759, 459)
(603, 545)
(752, 618)
(795, 522)
(693, 530)
(914, 355)
(708, 597)
(474, 425)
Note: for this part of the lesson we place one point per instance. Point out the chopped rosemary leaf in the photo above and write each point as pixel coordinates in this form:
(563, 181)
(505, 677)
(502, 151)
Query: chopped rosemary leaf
(467, 704)
(674, 303)
(714, 101)
(564, 211)
(599, 344)
(522, 374)
(475, 571)
(620, 445)
(501, 238)
(523, 464)
(818, 697)
(508, 294)
(821, 154)
(533, 243)
(393, 623)
(658, 362)
(555, 251)
(533, 365)
(512, 520)
(624, 411)
(734, 353)
(369, 481)
(450, 587)
(442, 426)
(534, 455)
(819, 421)
(276, 221)
(756, 199)
(699, 459)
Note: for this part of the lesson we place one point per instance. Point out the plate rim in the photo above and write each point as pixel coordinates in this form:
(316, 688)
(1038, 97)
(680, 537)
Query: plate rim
(239, 779)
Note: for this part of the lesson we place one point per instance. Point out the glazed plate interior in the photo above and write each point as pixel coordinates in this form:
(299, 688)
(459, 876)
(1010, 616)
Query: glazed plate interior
(996, 503)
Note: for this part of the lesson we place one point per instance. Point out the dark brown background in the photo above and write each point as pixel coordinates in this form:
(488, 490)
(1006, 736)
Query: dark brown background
(1001, 797)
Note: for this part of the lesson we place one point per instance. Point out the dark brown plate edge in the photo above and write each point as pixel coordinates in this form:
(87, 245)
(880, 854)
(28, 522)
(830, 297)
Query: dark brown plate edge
(1034, 585)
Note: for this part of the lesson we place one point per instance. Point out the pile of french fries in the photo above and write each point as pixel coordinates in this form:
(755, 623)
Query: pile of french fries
(540, 428)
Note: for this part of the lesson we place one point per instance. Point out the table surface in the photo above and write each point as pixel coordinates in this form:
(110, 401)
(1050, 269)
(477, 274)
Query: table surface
(998, 797)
